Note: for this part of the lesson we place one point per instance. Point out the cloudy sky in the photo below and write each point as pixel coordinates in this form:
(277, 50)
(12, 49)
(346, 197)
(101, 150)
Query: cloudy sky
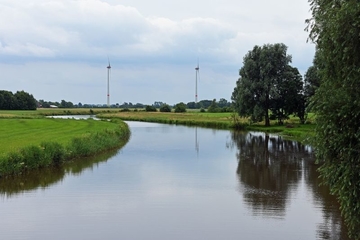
(59, 49)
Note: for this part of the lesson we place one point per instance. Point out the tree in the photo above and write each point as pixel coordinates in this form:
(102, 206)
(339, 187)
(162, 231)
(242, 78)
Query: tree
(256, 87)
(191, 105)
(312, 77)
(288, 96)
(213, 107)
(8, 101)
(19, 101)
(165, 108)
(65, 104)
(204, 104)
(25, 101)
(180, 107)
(44, 104)
(149, 108)
(334, 28)
(158, 104)
(223, 103)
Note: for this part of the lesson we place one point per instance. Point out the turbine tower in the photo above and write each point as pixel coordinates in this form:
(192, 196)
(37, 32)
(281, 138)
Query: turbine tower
(197, 73)
(108, 80)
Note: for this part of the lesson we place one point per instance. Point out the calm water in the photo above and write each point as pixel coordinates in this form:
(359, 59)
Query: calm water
(175, 182)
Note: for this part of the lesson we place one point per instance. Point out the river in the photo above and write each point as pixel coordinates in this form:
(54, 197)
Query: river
(176, 182)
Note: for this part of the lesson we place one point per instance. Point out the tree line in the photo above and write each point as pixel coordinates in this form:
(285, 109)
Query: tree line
(19, 101)
(213, 105)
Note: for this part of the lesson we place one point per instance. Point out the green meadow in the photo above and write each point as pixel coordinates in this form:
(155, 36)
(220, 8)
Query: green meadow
(19, 133)
(31, 141)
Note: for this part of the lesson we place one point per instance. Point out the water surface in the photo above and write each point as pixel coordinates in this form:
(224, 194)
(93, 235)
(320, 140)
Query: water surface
(176, 182)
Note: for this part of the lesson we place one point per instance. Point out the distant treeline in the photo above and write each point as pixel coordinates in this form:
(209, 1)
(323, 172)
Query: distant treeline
(24, 101)
(217, 106)
(19, 101)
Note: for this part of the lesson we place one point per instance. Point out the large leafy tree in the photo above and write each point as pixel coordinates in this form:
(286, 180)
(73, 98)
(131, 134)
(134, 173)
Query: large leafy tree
(266, 80)
(335, 29)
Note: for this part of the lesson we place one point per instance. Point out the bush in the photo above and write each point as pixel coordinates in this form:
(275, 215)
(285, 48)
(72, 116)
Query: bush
(165, 108)
(149, 108)
(180, 107)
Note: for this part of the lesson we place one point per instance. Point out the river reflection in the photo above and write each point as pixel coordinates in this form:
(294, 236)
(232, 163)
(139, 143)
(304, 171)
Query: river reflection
(45, 177)
(272, 170)
(163, 185)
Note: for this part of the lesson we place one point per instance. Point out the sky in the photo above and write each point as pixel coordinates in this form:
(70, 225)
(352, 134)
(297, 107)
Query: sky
(59, 49)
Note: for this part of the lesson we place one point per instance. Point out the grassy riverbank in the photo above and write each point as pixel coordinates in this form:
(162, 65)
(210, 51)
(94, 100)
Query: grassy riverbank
(291, 129)
(40, 142)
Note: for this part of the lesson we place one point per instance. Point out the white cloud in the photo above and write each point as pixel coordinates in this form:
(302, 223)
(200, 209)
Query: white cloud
(147, 37)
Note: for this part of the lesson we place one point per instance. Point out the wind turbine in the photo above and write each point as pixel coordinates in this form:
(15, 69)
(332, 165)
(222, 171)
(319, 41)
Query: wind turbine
(197, 73)
(108, 80)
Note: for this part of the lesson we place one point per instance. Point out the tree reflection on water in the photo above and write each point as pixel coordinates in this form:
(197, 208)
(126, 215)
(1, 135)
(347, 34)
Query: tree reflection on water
(45, 177)
(270, 170)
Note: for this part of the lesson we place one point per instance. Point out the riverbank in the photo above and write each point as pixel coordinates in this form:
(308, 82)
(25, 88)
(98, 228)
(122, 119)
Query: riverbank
(28, 135)
(40, 142)
(291, 129)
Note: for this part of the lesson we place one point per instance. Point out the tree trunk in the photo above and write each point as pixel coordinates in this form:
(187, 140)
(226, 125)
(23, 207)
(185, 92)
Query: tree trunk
(267, 120)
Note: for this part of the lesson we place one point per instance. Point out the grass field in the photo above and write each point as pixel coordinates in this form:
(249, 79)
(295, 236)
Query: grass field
(215, 120)
(18, 133)
(29, 140)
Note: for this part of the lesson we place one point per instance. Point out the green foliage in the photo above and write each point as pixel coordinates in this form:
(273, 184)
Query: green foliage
(149, 108)
(165, 108)
(213, 108)
(54, 151)
(335, 28)
(267, 81)
(19, 101)
(124, 110)
(65, 104)
(180, 107)
(287, 97)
